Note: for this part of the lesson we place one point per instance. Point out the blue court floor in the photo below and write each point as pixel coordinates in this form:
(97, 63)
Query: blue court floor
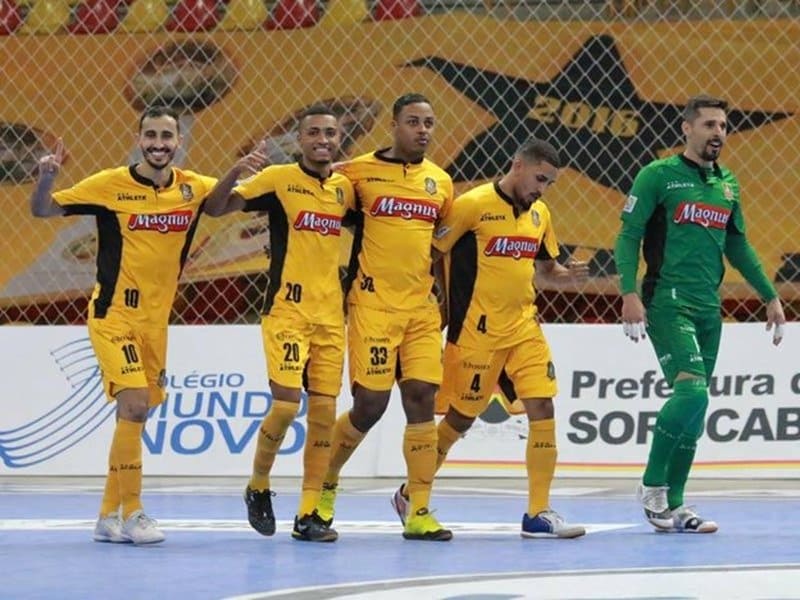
(210, 553)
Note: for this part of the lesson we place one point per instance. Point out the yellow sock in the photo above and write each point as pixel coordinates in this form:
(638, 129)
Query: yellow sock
(317, 451)
(419, 450)
(126, 448)
(110, 502)
(270, 436)
(447, 436)
(540, 460)
(346, 439)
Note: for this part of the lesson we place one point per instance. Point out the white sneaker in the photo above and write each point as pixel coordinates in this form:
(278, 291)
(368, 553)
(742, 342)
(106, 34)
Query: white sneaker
(109, 529)
(549, 524)
(686, 520)
(141, 529)
(653, 499)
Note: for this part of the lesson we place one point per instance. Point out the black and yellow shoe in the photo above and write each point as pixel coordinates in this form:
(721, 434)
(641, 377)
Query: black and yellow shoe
(259, 510)
(422, 525)
(311, 528)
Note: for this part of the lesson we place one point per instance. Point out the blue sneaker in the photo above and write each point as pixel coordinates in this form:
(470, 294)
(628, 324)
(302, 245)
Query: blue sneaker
(549, 524)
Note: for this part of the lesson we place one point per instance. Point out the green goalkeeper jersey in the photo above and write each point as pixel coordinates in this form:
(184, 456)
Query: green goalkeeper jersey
(684, 214)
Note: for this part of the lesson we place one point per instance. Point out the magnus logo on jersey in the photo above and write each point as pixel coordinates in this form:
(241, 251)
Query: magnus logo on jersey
(405, 208)
(515, 247)
(698, 213)
(179, 220)
(319, 222)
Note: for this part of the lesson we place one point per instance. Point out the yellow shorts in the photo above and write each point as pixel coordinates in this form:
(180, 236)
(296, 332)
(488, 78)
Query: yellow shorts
(471, 376)
(130, 356)
(385, 345)
(302, 354)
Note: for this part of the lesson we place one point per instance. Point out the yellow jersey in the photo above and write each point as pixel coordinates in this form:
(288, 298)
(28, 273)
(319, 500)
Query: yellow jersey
(143, 237)
(305, 225)
(398, 207)
(490, 266)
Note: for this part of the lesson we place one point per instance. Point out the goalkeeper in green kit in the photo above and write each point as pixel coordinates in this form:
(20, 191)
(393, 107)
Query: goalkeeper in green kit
(685, 212)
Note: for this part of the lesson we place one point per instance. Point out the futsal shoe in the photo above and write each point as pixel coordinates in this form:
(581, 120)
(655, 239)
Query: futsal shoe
(259, 510)
(400, 504)
(422, 525)
(311, 528)
(686, 520)
(109, 529)
(549, 524)
(141, 529)
(653, 499)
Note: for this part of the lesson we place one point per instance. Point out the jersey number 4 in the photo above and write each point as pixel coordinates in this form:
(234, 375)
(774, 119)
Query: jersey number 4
(481, 324)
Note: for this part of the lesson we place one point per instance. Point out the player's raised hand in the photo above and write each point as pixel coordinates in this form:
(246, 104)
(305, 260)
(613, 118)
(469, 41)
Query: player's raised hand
(775, 317)
(634, 317)
(49, 164)
(253, 161)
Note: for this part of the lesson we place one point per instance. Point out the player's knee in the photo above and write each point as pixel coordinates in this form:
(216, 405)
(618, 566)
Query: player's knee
(133, 404)
(418, 392)
(686, 376)
(460, 423)
(418, 400)
(368, 408)
(539, 409)
(282, 392)
(321, 410)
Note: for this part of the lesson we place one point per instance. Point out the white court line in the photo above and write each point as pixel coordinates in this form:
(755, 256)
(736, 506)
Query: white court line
(238, 526)
(441, 488)
(474, 491)
(781, 493)
(487, 491)
(774, 581)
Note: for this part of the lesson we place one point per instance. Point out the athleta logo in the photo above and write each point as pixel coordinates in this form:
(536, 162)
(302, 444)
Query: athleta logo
(321, 223)
(515, 247)
(298, 189)
(126, 197)
(163, 223)
(702, 214)
(405, 208)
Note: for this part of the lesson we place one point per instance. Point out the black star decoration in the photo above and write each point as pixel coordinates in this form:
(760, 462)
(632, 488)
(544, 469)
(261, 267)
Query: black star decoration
(590, 110)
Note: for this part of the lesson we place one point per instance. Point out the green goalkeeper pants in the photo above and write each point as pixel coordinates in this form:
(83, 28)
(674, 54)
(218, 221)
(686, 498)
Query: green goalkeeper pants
(684, 340)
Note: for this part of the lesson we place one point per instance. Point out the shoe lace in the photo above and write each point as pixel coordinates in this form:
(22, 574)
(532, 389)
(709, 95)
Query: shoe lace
(428, 518)
(264, 497)
(146, 522)
(556, 519)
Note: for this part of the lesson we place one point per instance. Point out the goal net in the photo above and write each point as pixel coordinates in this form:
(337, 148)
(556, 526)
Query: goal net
(604, 81)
